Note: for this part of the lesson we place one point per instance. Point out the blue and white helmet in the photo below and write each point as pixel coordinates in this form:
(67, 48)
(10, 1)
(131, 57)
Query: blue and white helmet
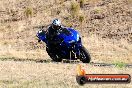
(56, 24)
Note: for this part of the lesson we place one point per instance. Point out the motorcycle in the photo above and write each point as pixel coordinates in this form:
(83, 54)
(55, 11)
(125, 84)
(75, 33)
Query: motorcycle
(69, 46)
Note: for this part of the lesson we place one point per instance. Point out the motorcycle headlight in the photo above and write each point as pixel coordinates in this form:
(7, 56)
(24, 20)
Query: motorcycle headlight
(77, 37)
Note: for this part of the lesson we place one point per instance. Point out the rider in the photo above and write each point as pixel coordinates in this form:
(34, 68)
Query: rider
(52, 31)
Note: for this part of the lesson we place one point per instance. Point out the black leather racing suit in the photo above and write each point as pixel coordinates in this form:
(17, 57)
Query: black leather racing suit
(51, 35)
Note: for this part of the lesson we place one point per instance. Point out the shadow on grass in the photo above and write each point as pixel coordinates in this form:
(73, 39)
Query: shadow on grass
(98, 64)
(38, 60)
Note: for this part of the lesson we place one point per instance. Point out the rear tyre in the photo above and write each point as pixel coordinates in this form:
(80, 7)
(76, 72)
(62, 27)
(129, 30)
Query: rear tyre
(84, 55)
(53, 56)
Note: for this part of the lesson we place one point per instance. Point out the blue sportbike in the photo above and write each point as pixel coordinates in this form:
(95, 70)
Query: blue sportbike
(68, 46)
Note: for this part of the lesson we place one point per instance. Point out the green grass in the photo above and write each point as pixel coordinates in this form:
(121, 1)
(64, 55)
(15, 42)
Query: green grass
(120, 64)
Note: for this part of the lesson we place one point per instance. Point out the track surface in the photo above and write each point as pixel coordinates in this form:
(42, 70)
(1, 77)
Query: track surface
(29, 74)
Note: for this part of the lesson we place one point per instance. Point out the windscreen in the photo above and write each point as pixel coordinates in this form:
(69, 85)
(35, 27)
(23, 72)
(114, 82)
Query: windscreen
(66, 32)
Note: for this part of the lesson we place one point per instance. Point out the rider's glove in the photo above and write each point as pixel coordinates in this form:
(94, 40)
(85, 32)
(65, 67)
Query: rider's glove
(39, 40)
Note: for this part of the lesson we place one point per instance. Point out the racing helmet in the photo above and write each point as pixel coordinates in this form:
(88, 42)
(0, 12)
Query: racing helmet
(56, 24)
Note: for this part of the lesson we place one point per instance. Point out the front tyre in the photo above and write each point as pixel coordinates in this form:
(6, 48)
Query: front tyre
(84, 55)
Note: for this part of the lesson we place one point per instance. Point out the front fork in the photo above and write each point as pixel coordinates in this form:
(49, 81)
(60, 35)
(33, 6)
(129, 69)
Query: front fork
(75, 53)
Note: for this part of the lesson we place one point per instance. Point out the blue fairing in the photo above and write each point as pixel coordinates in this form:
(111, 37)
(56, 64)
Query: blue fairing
(41, 35)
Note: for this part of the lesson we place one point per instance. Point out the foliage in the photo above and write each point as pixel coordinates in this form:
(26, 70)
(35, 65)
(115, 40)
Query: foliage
(28, 12)
(75, 8)
(81, 18)
(82, 2)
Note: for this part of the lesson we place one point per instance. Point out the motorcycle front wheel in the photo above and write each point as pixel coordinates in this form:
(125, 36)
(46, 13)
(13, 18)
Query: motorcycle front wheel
(84, 55)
